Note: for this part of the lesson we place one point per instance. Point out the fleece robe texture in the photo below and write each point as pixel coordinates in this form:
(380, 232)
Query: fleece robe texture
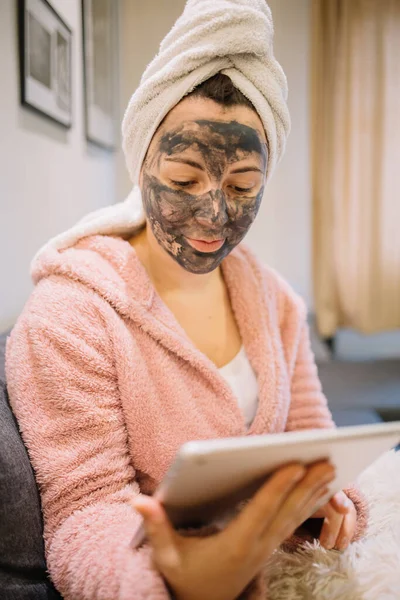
(106, 386)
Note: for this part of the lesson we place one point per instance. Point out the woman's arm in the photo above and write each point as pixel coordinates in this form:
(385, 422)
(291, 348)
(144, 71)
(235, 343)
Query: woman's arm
(309, 410)
(64, 392)
(308, 405)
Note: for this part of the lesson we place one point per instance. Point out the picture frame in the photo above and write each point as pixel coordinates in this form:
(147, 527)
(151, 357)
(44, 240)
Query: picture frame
(100, 71)
(45, 61)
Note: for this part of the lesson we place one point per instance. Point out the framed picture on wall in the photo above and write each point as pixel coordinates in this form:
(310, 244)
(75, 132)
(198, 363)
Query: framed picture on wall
(100, 68)
(45, 43)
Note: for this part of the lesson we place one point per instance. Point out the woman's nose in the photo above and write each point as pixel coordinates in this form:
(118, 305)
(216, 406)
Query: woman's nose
(213, 211)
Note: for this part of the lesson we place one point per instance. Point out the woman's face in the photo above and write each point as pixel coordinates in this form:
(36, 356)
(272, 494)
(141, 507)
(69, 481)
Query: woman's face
(203, 180)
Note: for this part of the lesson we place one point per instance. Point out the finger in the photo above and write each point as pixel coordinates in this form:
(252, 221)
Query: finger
(320, 513)
(301, 502)
(347, 530)
(261, 510)
(331, 527)
(341, 503)
(307, 510)
(316, 479)
(159, 530)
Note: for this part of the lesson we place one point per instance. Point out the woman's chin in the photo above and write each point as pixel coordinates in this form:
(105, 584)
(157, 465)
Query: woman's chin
(200, 263)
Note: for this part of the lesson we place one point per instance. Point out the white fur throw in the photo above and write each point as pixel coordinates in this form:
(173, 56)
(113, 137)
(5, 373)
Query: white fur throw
(369, 569)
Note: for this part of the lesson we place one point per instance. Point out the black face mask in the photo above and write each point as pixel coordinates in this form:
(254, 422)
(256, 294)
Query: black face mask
(176, 215)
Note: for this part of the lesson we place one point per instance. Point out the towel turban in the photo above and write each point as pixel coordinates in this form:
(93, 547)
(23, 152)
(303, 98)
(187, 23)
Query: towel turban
(233, 37)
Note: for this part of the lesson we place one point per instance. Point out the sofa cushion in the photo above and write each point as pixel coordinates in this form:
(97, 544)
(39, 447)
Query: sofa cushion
(22, 563)
(3, 339)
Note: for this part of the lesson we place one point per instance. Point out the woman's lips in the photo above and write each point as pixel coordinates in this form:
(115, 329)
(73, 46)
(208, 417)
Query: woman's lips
(203, 246)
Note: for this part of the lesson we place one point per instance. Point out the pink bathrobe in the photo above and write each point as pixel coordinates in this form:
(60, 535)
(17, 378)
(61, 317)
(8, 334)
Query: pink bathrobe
(106, 386)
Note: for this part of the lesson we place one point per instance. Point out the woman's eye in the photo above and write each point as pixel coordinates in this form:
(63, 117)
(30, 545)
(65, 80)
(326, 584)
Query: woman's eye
(241, 190)
(183, 184)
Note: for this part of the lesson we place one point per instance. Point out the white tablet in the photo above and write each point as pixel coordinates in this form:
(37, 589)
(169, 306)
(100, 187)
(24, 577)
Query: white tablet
(209, 478)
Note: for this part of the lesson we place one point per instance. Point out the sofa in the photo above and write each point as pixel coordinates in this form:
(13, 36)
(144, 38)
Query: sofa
(22, 563)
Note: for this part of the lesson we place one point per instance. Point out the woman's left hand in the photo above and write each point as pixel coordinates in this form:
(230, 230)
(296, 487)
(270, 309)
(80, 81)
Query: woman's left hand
(340, 518)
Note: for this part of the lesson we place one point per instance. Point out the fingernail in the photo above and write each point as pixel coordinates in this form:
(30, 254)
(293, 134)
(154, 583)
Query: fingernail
(299, 474)
(157, 517)
(139, 508)
(329, 543)
(170, 557)
(137, 501)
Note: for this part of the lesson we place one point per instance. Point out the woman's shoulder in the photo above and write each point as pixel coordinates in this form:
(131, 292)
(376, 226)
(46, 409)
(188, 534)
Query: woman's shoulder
(69, 296)
(61, 298)
(86, 282)
(64, 327)
(60, 310)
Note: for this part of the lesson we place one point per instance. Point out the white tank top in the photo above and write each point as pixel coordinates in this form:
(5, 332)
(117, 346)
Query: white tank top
(240, 376)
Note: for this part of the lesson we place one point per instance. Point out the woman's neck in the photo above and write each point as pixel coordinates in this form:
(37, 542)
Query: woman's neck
(167, 275)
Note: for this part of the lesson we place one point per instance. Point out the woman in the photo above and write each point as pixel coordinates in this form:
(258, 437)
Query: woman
(148, 330)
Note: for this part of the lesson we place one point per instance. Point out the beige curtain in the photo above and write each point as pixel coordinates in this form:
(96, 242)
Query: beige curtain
(356, 164)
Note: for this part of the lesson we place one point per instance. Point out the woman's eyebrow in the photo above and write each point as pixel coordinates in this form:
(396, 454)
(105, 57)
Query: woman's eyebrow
(187, 161)
(196, 165)
(245, 169)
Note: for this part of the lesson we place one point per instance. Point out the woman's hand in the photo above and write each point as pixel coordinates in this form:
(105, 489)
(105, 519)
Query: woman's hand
(340, 520)
(220, 566)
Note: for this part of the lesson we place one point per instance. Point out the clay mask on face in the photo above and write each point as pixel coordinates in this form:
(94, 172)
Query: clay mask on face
(222, 214)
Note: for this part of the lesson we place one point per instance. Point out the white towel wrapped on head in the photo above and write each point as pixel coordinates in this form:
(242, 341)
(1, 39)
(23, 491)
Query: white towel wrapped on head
(231, 36)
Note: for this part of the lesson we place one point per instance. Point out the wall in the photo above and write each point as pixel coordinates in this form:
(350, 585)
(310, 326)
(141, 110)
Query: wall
(281, 235)
(49, 177)
(143, 26)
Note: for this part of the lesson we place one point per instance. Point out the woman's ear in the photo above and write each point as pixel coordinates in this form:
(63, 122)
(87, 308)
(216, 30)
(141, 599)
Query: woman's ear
(142, 168)
(141, 177)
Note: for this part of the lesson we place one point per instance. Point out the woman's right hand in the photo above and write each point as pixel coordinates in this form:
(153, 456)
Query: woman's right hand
(220, 566)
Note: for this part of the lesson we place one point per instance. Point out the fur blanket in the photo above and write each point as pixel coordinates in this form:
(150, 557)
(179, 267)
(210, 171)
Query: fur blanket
(369, 569)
